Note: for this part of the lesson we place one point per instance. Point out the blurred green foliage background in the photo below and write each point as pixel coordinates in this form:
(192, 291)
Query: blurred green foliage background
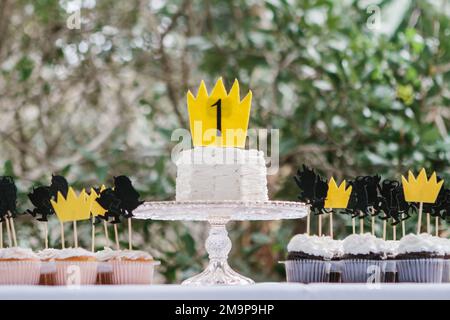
(355, 87)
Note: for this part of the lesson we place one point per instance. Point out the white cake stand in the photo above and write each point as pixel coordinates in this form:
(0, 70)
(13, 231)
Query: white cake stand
(218, 214)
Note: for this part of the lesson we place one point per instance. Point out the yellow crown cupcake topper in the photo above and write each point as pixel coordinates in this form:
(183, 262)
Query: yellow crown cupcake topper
(421, 189)
(74, 207)
(337, 197)
(220, 118)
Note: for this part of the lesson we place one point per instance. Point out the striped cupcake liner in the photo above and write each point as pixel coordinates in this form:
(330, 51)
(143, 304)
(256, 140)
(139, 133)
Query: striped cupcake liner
(20, 272)
(307, 271)
(75, 273)
(133, 272)
(420, 270)
(362, 271)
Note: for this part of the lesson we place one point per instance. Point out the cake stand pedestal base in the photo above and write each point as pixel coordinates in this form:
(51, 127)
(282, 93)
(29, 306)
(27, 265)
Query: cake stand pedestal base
(218, 272)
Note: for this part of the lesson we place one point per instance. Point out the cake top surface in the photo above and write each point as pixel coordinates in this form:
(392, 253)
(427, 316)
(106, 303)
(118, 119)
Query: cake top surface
(108, 254)
(18, 253)
(363, 244)
(314, 245)
(220, 156)
(414, 243)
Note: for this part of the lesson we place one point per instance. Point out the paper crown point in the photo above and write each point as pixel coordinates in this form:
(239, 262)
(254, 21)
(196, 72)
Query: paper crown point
(72, 208)
(220, 118)
(421, 189)
(337, 197)
(96, 208)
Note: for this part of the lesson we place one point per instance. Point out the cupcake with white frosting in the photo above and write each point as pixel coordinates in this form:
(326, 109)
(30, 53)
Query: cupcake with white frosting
(75, 266)
(363, 257)
(445, 244)
(420, 258)
(126, 266)
(48, 266)
(390, 273)
(19, 266)
(309, 258)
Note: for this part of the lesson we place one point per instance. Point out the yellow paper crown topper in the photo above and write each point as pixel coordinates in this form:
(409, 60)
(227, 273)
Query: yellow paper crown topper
(96, 208)
(220, 118)
(74, 207)
(337, 197)
(421, 189)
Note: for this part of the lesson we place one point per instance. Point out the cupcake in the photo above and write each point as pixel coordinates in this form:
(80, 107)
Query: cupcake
(19, 266)
(105, 270)
(48, 266)
(445, 244)
(128, 266)
(420, 258)
(75, 266)
(390, 273)
(309, 258)
(363, 256)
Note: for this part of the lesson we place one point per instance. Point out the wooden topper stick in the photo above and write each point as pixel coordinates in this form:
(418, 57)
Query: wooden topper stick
(331, 224)
(436, 226)
(1, 235)
(361, 223)
(394, 232)
(384, 229)
(75, 234)
(63, 242)
(403, 225)
(320, 225)
(105, 226)
(46, 234)
(93, 234)
(428, 224)
(116, 235)
(419, 219)
(308, 224)
(373, 220)
(353, 225)
(8, 230)
(13, 230)
(130, 235)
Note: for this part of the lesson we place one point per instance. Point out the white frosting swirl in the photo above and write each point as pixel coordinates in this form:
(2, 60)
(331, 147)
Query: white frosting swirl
(72, 253)
(18, 253)
(48, 254)
(362, 244)
(314, 245)
(413, 243)
(108, 254)
(390, 247)
(444, 243)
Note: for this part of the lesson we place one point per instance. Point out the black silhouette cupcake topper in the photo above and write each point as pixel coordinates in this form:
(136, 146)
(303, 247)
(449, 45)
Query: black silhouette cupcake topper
(118, 202)
(314, 191)
(364, 200)
(8, 203)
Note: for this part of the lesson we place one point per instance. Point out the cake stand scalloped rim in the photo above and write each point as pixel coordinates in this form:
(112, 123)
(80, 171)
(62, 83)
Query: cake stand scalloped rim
(226, 210)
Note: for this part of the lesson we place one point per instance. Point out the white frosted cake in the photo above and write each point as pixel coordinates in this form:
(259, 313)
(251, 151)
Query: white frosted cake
(211, 173)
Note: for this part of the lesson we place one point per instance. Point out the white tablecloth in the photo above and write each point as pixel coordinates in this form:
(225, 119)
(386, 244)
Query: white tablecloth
(261, 291)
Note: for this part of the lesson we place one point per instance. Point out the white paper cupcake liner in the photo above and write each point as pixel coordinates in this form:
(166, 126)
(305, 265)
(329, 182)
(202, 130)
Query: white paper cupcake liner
(20, 272)
(307, 270)
(104, 273)
(133, 272)
(75, 273)
(362, 270)
(446, 271)
(420, 270)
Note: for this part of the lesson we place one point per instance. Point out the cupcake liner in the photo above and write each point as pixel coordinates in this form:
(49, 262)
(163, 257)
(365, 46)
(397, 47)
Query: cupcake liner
(20, 272)
(420, 270)
(133, 272)
(73, 273)
(104, 273)
(446, 271)
(48, 273)
(307, 271)
(361, 270)
(389, 274)
(335, 272)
